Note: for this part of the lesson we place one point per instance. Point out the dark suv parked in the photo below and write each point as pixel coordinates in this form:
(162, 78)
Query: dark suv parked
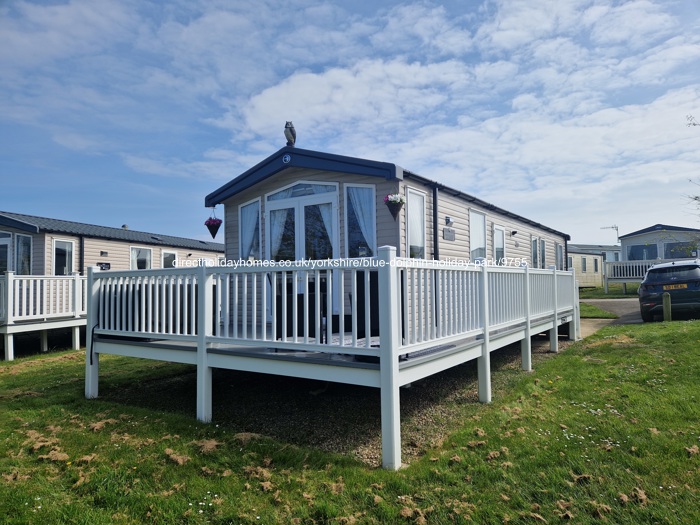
(680, 279)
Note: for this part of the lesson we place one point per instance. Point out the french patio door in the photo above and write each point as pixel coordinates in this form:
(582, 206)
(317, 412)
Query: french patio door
(303, 228)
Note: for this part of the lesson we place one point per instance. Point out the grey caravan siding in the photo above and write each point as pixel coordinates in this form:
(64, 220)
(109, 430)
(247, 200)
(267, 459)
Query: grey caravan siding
(517, 246)
(387, 230)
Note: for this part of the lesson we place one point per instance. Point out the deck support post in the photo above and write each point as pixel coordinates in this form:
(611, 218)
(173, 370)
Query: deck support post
(44, 338)
(76, 338)
(92, 358)
(389, 359)
(9, 347)
(526, 343)
(575, 325)
(554, 332)
(204, 372)
(483, 363)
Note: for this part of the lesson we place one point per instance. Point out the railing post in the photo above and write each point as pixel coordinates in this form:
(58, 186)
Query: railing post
(9, 309)
(10, 297)
(577, 310)
(526, 343)
(554, 333)
(483, 363)
(204, 317)
(77, 295)
(92, 358)
(388, 357)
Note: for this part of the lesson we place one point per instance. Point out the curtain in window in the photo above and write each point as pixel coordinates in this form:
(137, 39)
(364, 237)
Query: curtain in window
(278, 218)
(24, 255)
(362, 202)
(250, 231)
(326, 211)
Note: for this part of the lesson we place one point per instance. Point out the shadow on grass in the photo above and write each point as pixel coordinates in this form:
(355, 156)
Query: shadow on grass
(332, 417)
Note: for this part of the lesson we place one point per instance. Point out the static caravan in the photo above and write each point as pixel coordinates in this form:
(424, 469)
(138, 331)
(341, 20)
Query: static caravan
(346, 270)
(303, 205)
(31, 245)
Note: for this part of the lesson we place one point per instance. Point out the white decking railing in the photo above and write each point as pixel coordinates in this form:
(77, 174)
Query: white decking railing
(40, 297)
(437, 303)
(381, 310)
(629, 271)
(38, 303)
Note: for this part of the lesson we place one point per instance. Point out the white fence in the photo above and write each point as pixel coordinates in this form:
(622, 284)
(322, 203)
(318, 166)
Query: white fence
(384, 311)
(40, 297)
(629, 271)
(293, 305)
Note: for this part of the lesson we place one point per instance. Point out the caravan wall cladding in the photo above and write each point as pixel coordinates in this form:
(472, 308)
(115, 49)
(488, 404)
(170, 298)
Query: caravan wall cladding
(473, 231)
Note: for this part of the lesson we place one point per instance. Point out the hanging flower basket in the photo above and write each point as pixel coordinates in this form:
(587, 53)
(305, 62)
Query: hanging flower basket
(394, 201)
(213, 224)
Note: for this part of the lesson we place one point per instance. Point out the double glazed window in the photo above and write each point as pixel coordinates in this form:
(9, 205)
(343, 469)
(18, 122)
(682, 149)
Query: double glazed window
(62, 257)
(249, 230)
(359, 221)
(477, 235)
(23, 254)
(415, 219)
(140, 258)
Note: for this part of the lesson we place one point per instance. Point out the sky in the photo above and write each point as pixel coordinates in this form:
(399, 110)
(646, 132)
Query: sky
(569, 113)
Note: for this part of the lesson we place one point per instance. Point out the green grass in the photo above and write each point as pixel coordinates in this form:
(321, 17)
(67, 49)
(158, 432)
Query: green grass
(614, 292)
(607, 431)
(588, 311)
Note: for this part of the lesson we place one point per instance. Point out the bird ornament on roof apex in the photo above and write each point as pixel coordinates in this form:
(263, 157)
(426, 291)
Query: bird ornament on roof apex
(290, 133)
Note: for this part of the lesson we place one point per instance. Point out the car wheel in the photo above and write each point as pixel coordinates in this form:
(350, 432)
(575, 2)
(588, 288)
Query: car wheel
(647, 317)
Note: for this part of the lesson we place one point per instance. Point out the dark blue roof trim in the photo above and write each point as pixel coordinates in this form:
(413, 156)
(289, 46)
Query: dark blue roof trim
(9, 222)
(290, 157)
(33, 224)
(659, 227)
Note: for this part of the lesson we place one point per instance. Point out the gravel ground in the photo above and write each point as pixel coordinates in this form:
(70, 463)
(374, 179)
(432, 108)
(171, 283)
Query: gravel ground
(335, 417)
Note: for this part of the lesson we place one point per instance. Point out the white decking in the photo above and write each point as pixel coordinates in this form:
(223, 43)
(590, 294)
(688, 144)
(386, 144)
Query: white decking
(319, 320)
(39, 303)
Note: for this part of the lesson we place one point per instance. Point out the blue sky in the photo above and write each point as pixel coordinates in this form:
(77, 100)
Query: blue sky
(571, 113)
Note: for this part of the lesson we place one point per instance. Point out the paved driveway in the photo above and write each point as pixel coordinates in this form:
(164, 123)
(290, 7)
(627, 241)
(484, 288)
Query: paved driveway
(627, 311)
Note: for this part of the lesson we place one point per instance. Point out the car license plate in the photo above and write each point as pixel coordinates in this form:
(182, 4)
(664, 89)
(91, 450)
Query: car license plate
(675, 286)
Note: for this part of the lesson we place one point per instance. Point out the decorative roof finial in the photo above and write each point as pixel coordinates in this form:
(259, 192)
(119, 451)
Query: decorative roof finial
(290, 133)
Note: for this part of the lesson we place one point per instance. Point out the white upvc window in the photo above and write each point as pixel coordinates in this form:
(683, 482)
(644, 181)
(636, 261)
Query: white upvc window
(583, 265)
(560, 256)
(499, 244)
(415, 224)
(63, 257)
(543, 252)
(360, 220)
(23, 254)
(168, 259)
(477, 235)
(141, 258)
(249, 239)
(534, 253)
(5, 250)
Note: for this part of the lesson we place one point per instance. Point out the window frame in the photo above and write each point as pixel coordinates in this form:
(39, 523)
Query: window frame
(150, 257)
(535, 251)
(472, 213)
(163, 253)
(257, 201)
(346, 198)
(424, 196)
(502, 230)
(583, 265)
(72, 260)
(18, 267)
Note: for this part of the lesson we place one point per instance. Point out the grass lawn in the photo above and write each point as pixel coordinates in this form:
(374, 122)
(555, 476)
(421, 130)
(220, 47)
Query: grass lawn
(589, 311)
(614, 292)
(606, 431)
